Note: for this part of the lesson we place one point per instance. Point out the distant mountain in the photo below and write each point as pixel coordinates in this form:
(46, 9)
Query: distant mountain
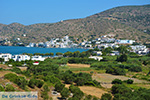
(131, 22)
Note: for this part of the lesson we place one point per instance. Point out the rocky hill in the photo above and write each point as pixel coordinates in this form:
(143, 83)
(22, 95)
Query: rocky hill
(131, 22)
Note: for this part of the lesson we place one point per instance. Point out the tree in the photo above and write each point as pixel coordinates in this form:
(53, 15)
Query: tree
(115, 71)
(32, 83)
(122, 58)
(76, 54)
(68, 54)
(46, 54)
(134, 68)
(121, 89)
(39, 83)
(122, 49)
(106, 96)
(59, 86)
(59, 53)
(1, 60)
(65, 93)
(51, 54)
(51, 79)
(116, 81)
(21, 82)
(129, 81)
(77, 93)
(80, 81)
(88, 97)
(1, 88)
(44, 95)
(95, 98)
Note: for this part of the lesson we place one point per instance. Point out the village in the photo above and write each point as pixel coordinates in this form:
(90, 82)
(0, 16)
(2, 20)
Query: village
(137, 49)
(65, 42)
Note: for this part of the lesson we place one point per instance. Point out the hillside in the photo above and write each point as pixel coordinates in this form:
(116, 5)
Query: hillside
(131, 22)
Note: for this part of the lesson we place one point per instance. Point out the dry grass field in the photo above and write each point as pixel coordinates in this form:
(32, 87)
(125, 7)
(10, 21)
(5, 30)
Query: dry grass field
(23, 68)
(78, 65)
(108, 78)
(4, 66)
(89, 90)
(2, 73)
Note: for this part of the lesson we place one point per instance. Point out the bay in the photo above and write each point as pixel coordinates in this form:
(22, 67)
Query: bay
(19, 50)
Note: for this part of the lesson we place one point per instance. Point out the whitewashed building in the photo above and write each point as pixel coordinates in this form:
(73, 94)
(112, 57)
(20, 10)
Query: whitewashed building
(6, 56)
(124, 41)
(96, 58)
(20, 57)
(140, 49)
(98, 53)
(37, 58)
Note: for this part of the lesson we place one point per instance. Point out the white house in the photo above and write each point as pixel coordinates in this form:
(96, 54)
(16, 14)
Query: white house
(32, 45)
(124, 41)
(6, 56)
(38, 58)
(21, 57)
(96, 58)
(140, 49)
(98, 53)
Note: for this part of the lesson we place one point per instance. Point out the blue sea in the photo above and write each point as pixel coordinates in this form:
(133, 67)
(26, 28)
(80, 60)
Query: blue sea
(19, 50)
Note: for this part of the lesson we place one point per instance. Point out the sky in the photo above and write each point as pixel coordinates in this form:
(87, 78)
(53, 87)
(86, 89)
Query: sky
(29, 12)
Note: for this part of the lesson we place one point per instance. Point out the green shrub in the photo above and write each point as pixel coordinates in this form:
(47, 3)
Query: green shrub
(115, 71)
(32, 83)
(39, 83)
(44, 95)
(65, 93)
(9, 88)
(106, 96)
(59, 86)
(135, 69)
(129, 81)
(116, 81)
(45, 87)
(1, 88)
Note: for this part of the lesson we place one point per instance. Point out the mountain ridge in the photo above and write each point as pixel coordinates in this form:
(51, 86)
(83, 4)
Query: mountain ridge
(131, 22)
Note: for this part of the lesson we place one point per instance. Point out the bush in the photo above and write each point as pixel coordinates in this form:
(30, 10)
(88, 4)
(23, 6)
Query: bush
(10, 76)
(39, 83)
(45, 87)
(135, 69)
(19, 80)
(82, 60)
(1, 88)
(16, 70)
(115, 71)
(32, 83)
(122, 58)
(129, 81)
(65, 93)
(44, 95)
(59, 86)
(121, 89)
(106, 96)
(51, 79)
(9, 88)
(116, 81)
(77, 93)
(88, 97)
